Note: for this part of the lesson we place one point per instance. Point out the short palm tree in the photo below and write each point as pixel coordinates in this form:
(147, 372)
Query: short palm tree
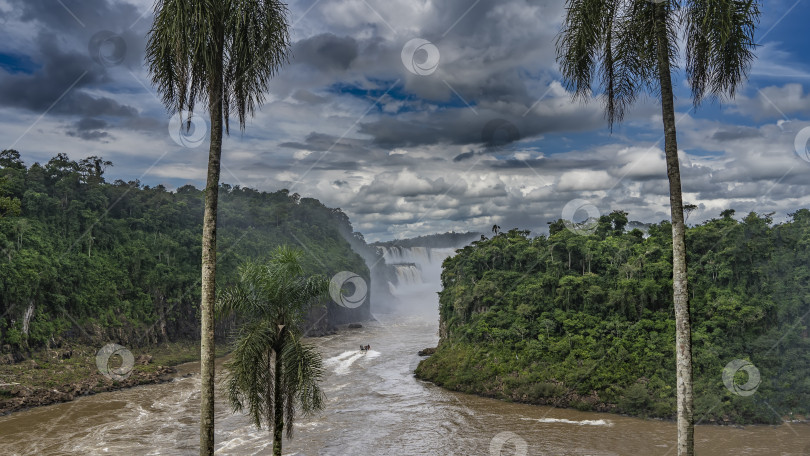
(221, 53)
(630, 47)
(272, 373)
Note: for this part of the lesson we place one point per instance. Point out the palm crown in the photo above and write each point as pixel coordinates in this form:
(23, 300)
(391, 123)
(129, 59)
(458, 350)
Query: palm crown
(237, 45)
(616, 44)
(271, 370)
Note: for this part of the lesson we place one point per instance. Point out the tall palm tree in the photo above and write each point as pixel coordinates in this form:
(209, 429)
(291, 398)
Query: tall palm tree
(222, 53)
(271, 372)
(630, 47)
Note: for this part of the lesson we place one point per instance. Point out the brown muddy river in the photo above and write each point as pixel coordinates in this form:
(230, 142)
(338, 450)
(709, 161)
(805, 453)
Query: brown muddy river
(375, 407)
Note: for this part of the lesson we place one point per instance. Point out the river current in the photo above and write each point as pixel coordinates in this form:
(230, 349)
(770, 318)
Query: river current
(375, 406)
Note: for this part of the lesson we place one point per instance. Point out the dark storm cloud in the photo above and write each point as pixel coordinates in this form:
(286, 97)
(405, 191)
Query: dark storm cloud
(61, 77)
(464, 156)
(143, 123)
(308, 97)
(325, 52)
(402, 153)
(736, 133)
(80, 20)
(487, 61)
(71, 14)
(93, 135)
(266, 166)
(323, 142)
(89, 123)
(76, 44)
(89, 129)
(549, 164)
(337, 165)
(463, 126)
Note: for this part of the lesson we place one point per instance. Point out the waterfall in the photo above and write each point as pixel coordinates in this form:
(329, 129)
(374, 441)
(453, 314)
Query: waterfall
(29, 312)
(418, 274)
(408, 274)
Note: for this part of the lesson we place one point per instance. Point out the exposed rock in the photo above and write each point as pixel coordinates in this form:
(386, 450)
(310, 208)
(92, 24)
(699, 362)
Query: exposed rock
(20, 391)
(427, 351)
(355, 326)
(143, 360)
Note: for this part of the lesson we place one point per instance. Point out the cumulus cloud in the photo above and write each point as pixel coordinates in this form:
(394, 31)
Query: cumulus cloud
(774, 102)
(489, 136)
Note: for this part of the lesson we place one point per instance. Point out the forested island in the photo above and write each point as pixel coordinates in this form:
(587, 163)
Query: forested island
(586, 320)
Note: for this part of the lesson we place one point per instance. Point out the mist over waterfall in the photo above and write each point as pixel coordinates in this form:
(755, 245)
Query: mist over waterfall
(409, 274)
(405, 274)
(418, 277)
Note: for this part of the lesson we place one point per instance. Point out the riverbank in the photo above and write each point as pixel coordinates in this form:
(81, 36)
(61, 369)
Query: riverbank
(498, 373)
(61, 375)
(445, 370)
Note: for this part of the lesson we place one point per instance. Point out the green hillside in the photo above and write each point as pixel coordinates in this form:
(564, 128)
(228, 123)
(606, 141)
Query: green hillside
(82, 258)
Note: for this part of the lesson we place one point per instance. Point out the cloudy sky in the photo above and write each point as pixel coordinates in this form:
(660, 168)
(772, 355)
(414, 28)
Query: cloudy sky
(414, 116)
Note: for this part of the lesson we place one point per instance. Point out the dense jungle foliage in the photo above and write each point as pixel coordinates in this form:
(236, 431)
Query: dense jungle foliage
(586, 320)
(82, 257)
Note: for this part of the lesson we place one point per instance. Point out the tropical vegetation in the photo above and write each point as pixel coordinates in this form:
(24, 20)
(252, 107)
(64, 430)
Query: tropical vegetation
(587, 321)
(86, 260)
(272, 373)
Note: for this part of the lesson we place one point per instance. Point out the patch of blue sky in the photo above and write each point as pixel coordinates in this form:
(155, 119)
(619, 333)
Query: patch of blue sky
(18, 63)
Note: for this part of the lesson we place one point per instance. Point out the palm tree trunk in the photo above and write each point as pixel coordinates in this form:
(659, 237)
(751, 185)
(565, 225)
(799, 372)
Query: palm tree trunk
(278, 407)
(209, 266)
(683, 332)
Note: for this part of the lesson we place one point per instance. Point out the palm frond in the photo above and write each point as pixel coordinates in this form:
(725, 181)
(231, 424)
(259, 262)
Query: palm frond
(580, 43)
(238, 44)
(250, 371)
(607, 44)
(231, 300)
(303, 371)
(635, 55)
(720, 45)
(258, 43)
(269, 297)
